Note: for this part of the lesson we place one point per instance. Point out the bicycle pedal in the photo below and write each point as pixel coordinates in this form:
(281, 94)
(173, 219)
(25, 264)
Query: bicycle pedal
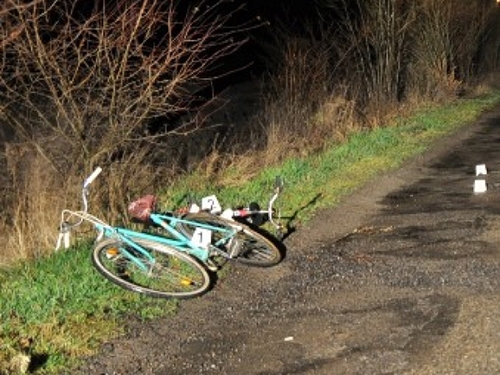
(112, 252)
(234, 248)
(187, 282)
(211, 265)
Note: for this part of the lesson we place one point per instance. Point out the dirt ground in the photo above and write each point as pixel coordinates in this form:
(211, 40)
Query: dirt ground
(401, 278)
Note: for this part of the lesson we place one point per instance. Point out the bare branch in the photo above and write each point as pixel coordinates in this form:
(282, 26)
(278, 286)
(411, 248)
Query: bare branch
(97, 81)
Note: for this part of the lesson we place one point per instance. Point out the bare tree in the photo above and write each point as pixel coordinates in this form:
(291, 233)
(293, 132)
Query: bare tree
(84, 86)
(11, 28)
(448, 38)
(95, 82)
(372, 41)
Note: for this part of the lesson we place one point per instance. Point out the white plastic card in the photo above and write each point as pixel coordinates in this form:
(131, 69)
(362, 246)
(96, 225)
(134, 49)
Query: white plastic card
(480, 186)
(211, 204)
(227, 214)
(202, 237)
(194, 208)
(481, 169)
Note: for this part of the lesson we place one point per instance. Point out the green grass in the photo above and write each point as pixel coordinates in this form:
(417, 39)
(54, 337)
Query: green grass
(60, 308)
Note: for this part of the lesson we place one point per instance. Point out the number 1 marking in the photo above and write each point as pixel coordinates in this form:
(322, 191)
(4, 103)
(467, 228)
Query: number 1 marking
(202, 237)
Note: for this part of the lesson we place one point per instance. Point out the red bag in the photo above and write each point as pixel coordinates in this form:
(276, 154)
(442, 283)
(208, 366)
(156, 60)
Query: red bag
(141, 208)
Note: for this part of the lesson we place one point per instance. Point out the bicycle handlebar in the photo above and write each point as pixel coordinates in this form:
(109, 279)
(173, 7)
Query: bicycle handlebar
(86, 183)
(92, 177)
(65, 226)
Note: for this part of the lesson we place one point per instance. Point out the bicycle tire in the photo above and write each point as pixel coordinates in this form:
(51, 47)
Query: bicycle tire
(254, 248)
(173, 275)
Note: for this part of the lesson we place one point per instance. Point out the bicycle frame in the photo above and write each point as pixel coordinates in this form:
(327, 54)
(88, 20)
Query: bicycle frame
(177, 239)
(200, 246)
(129, 236)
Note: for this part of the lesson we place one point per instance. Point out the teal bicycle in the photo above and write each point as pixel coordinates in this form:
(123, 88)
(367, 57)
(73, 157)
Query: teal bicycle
(220, 237)
(170, 264)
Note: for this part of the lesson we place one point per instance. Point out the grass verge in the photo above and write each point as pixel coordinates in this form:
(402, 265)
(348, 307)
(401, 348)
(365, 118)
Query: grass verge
(59, 309)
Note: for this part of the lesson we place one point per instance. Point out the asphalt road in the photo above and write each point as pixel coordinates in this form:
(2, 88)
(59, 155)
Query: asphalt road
(401, 278)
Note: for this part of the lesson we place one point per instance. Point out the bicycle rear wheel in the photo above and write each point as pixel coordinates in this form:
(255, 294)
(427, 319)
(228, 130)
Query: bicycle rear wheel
(251, 247)
(170, 273)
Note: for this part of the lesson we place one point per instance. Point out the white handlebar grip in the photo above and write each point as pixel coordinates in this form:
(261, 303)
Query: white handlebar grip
(92, 177)
(66, 240)
(59, 241)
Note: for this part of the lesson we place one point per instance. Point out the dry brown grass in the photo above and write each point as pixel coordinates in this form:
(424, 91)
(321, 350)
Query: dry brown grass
(30, 227)
(38, 195)
(335, 119)
(305, 105)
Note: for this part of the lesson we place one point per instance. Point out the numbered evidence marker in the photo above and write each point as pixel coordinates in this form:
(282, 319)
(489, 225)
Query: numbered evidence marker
(202, 237)
(211, 204)
(481, 169)
(480, 186)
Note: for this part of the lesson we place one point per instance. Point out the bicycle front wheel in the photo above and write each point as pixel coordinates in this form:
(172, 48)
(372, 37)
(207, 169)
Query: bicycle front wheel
(168, 273)
(247, 245)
